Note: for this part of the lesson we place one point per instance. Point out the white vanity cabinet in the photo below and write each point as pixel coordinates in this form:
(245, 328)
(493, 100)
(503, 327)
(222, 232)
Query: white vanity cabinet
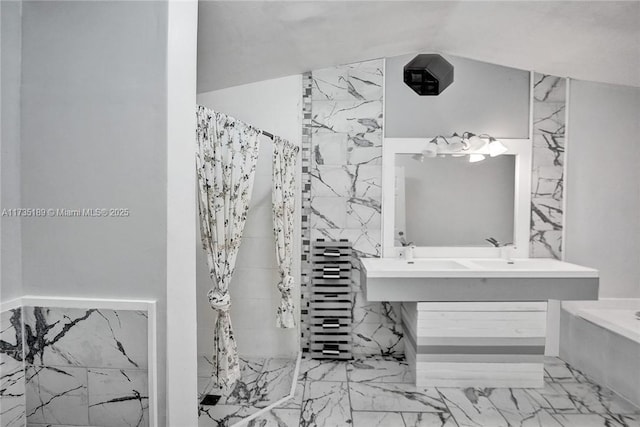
(475, 344)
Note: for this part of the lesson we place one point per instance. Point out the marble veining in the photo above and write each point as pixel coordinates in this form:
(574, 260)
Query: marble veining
(549, 123)
(378, 392)
(91, 337)
(57, 395)
(326, 403)
(12, 390)
(80, 367)
(118, 397)
(342, 164)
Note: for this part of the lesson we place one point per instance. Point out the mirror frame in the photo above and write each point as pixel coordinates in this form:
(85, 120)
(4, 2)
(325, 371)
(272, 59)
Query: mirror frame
(521, 148)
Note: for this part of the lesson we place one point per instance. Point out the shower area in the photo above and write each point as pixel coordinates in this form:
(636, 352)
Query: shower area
(248, 255)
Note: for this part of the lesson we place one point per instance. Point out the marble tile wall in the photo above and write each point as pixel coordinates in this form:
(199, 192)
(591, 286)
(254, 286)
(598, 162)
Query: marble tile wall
(12, 385)
(77, 367)
(547, 181)
(342, 168)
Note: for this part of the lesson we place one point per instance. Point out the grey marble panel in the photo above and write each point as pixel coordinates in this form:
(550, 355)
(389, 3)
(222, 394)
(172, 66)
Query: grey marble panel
(549, 88)
(326, 403)
(57, 395)
(12, 390)
(91, 337)
(374, 312)
(11, 331)
(352, 117)
(369, 396)
(472, 407)
(358, 81)
(378, 339)
(548, 166)
(118, 397)
(330, 149)
(329, 212)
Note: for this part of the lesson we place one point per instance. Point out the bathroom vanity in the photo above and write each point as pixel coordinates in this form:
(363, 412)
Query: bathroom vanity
(476, 322)
(474, 311)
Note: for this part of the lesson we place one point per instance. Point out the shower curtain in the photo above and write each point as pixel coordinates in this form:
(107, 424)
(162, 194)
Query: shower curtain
(226, 163)
(283, 203)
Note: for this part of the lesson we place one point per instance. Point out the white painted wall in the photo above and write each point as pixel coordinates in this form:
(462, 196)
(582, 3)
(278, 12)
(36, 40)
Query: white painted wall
(483, 98)
(603, 184)
(182, 341)
(94, 134)
(10, 239)
(272, 105)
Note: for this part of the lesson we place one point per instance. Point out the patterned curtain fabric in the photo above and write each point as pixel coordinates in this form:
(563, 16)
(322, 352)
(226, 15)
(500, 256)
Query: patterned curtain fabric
(283, 199)
(226, 162)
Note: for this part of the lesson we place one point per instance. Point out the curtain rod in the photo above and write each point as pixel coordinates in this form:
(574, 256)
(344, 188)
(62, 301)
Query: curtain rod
(267, 134)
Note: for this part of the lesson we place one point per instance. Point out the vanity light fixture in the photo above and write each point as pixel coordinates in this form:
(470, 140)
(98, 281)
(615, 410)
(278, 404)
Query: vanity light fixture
(475, 157)
(477, 147)
(496, 147)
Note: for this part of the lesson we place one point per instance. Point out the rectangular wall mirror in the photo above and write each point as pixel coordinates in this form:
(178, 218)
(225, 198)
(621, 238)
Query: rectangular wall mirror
(447, 201)
(447, 206)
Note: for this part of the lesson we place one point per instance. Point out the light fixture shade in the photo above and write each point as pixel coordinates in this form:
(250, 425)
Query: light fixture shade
(476, 143)
(474, 158)
(496, 148)
(431, 151)
(455, 146)
(418, 157)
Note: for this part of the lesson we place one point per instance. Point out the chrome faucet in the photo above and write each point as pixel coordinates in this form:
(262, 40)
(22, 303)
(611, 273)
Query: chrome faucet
(505, 249)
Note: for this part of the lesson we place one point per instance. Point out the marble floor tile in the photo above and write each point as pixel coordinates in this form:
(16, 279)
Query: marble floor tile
(322, 370)
(597, 420)
(471, 407)
(326, 403)
(428, 419)
(519, 408)
(57, 395)
(563, 372)
(277, 418)
(377, 419)
(118, 398)
(223, 415)
(591, 398)
(553, 398)
(247, 390)
(205, 384)
(381, 371)
(296, 401)
(368, 396)
(275, 381)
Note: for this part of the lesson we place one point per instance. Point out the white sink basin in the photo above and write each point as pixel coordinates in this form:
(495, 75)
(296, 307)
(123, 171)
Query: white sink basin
(420, 264)
(524, 264)
(474, 267)
(475, 279)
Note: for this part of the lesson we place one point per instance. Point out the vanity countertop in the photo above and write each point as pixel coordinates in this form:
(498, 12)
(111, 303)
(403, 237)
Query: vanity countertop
(477, 279)
(475, 267)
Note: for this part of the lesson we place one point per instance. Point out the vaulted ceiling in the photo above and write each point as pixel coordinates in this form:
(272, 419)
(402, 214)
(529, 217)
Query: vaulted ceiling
(241, 42)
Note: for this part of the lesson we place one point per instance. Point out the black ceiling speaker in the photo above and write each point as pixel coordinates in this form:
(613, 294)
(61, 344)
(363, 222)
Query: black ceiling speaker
(428, 74)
